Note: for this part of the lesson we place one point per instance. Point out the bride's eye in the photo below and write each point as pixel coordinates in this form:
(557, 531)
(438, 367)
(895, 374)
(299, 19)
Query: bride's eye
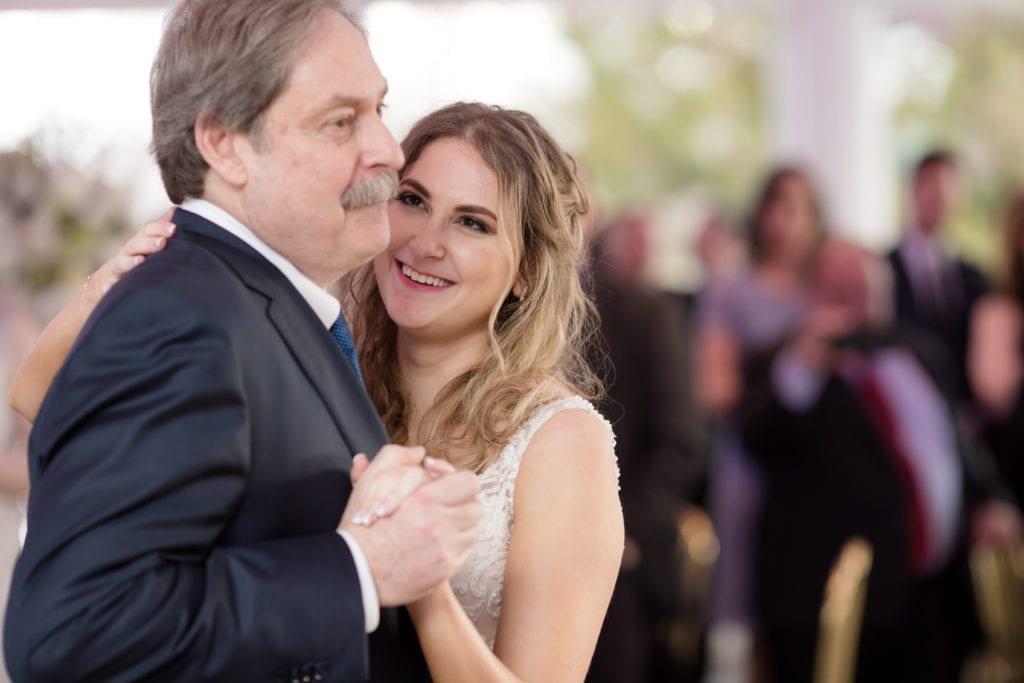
(410, 199)
(474, 224)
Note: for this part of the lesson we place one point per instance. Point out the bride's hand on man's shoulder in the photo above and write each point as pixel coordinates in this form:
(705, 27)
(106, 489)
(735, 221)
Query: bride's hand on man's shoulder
(151, 238)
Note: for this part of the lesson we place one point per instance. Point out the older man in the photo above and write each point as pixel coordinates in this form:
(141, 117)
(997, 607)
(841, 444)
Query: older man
(190, 464)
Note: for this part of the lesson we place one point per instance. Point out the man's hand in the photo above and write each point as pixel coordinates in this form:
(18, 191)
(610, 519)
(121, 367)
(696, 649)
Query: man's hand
(823, 325)
(414, 518)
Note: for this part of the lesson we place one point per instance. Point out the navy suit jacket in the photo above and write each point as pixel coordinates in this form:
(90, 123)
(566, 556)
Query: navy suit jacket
(963, 286)
(189, 466)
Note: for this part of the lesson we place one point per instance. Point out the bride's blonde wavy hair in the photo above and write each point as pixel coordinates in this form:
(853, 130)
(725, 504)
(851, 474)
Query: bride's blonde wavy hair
(537, 343)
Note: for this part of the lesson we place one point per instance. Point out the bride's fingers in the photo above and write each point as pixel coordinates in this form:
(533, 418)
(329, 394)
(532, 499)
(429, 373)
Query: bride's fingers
(382, 495)
(359, 464)
(119, 265)
(123, 263)
(159, 228)
(149, 240)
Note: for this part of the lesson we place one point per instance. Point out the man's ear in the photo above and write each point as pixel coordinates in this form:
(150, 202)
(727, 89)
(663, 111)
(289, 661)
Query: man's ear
(223, 150)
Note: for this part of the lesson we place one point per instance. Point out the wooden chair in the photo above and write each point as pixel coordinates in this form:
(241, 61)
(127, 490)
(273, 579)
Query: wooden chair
(998, 578)
(842, 613)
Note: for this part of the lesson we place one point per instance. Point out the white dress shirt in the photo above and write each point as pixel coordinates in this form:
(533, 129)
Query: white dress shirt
(327, 308)
(926, 262)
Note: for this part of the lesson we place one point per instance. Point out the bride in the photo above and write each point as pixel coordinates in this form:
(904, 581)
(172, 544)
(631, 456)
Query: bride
(471, 326)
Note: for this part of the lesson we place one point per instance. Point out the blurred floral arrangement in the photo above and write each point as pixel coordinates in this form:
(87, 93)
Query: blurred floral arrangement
(58, 222)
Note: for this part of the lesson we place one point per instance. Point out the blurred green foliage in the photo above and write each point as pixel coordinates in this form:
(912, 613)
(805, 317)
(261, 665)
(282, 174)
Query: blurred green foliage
(56, 221)
(681, 109)
(675, 105)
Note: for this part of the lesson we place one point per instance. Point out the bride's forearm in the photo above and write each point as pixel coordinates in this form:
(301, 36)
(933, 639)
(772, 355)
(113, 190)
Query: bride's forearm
(454, 649)
(33, 378)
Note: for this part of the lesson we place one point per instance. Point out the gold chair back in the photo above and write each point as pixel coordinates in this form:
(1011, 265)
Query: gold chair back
(998, 578)
(842, 613)
(698, 544)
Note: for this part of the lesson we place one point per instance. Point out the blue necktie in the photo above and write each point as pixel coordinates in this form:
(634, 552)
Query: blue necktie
(343, 336)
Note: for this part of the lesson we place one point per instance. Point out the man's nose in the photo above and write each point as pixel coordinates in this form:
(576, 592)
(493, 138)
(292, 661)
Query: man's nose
(382, 150)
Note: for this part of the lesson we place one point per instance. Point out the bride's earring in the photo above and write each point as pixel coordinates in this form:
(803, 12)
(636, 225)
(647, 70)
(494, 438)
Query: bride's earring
(522, 294)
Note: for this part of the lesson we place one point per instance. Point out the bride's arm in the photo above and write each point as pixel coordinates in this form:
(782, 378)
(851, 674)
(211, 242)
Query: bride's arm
(33, 378)
(563, 559)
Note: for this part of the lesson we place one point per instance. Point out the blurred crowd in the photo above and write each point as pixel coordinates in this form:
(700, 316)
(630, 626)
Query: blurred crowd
(810, 392)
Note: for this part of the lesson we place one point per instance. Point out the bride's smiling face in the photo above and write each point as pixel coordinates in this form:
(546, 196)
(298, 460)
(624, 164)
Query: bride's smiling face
(447, 264)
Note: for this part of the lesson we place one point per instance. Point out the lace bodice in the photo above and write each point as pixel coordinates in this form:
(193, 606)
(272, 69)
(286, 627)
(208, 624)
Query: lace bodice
(478, 586)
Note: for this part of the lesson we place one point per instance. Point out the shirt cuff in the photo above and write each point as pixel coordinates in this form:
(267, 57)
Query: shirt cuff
(371, 604)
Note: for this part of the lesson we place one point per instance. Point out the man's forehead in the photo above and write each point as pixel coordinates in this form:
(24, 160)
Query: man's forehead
(337, 69)
(346, 98)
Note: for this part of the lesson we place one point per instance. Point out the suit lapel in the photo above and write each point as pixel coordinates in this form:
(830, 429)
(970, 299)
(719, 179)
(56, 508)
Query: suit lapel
(906, 302)
(308, 340)
(328, 370)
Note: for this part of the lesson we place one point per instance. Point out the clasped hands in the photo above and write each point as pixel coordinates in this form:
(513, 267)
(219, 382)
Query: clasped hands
(415, 518)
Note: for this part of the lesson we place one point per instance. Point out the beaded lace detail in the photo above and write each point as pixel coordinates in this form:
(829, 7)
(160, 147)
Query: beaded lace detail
(478, 586)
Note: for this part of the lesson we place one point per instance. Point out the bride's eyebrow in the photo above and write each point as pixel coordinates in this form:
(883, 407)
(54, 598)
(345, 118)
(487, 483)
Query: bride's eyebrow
(416, 185)
(470, 208)
(461, 208)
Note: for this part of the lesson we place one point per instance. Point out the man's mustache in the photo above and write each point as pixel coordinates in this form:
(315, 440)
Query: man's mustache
(369, 191)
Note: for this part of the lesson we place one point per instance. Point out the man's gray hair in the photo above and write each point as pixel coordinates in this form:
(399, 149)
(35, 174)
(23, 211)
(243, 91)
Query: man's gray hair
(224, 61)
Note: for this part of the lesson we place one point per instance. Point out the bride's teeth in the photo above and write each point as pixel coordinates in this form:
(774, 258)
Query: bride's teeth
(421, 278)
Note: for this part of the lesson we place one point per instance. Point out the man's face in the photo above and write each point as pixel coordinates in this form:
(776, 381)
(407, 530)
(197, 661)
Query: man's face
(320, 137)
(936, 190)
(840, 289)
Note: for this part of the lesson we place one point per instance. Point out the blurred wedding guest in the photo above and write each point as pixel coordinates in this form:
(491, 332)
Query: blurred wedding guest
(934, 288)
(856, 429)
(996, 355)
(644, 357)
(719, 249)
(737, 316)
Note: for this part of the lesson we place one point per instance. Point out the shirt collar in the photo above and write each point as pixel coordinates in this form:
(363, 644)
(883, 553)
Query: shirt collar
(324, 304)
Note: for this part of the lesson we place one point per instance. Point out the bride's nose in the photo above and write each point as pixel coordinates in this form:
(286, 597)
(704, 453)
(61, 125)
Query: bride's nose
(428, 242)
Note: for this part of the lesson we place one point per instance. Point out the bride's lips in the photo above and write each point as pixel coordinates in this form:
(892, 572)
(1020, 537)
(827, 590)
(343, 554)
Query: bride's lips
(419, 280)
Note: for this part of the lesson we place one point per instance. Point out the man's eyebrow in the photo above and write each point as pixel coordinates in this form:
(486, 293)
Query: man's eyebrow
(340, 101)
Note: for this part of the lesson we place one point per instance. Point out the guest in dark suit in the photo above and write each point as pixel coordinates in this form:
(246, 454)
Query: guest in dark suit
(190, 462)
(935, 289)
(857, 437)
(645, 357)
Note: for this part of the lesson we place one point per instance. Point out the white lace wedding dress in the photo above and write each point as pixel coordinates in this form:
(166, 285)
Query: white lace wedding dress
(478, 586)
